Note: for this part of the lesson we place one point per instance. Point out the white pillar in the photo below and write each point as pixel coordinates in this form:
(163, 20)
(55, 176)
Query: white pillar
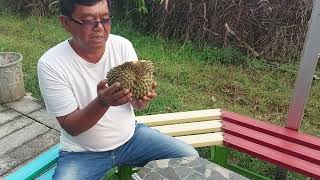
(306, 70)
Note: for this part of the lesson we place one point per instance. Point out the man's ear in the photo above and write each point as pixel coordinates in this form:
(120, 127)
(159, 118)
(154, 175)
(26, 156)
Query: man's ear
(65, 22)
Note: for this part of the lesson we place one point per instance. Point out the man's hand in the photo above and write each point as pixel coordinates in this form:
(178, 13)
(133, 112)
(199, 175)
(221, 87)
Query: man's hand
(143, 103)
(113, 95)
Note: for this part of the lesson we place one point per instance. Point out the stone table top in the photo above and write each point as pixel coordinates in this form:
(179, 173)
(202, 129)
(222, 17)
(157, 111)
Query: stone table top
(185, 168)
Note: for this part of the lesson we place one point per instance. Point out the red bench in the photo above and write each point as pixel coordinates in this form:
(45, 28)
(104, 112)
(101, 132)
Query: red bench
(278, 145)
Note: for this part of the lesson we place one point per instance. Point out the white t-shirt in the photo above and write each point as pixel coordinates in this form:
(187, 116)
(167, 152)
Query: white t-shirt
(67, 82)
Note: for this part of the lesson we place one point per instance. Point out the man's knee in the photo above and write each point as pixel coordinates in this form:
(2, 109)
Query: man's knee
(180, 148)
(188, 150)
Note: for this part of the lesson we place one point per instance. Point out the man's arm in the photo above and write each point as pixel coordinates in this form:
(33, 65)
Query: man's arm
(80, 121)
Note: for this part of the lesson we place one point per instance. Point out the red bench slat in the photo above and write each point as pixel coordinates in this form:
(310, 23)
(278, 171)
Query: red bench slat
(280, 132)
(272, 142)
(273, 156)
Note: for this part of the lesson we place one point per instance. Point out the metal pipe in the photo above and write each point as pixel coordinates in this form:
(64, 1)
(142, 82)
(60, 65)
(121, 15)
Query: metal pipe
(306, 70)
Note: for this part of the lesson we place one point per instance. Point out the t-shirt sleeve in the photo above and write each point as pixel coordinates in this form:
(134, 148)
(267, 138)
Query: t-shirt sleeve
(129, 54)
(56, 92)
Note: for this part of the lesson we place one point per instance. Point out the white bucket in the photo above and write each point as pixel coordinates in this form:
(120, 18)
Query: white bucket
(11, 77)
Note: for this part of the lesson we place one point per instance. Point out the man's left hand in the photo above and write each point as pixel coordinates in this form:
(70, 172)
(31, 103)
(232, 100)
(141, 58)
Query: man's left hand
(143, 103)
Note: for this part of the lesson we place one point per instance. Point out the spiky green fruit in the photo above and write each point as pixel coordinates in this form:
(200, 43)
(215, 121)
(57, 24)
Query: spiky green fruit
(136, 76)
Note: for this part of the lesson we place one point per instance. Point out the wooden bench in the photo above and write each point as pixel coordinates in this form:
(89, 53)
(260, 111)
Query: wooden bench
(198, 128)
(278, 145)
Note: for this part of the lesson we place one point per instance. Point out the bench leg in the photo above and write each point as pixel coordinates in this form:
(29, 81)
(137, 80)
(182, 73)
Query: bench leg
(111, 174)
(125, 172)
(220, 156)
(281, 173)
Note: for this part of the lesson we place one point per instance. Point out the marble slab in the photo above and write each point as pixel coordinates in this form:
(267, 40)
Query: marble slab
(185, 168)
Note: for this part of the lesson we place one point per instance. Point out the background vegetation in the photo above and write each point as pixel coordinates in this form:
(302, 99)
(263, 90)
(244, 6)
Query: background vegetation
(270, 29)
(191, 75)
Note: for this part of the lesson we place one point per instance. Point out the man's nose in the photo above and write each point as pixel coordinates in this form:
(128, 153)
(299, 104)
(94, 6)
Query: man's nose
(98, 25)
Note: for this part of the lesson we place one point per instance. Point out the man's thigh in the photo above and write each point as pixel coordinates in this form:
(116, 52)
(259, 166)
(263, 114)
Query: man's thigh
(148, 144)
(82, 165)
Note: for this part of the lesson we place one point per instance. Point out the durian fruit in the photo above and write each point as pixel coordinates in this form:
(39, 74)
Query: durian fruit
(137, 76)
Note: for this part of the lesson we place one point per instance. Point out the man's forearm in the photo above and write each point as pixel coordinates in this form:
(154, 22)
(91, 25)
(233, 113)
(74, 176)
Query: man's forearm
(80, 121)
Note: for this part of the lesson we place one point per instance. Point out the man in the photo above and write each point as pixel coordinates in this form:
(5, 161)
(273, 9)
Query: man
(98, 129)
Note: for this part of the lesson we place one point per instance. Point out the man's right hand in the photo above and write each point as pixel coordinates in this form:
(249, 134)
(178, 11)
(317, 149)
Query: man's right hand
(112, 96)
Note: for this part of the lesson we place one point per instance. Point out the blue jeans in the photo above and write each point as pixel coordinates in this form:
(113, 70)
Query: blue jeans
(145, 145)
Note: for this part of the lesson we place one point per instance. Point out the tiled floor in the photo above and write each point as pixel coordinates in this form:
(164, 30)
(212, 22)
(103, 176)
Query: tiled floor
(26, 130)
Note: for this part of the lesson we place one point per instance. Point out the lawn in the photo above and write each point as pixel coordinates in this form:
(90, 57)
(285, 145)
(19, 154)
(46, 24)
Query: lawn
(191, 76)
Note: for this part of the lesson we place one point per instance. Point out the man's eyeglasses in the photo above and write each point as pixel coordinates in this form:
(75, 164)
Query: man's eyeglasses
(92, 23)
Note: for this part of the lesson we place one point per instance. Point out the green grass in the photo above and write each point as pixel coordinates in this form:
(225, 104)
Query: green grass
(190, 76)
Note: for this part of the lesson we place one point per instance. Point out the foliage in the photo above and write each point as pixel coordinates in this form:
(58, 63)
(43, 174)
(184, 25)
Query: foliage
(268, 29)
(273, 30)
(126, 8)
(33, 7)
(190, 76)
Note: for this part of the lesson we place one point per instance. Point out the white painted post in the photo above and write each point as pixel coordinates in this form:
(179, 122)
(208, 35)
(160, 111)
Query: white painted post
(306, 70)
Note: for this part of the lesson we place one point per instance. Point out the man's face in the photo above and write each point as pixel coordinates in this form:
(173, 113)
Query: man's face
(86, 32)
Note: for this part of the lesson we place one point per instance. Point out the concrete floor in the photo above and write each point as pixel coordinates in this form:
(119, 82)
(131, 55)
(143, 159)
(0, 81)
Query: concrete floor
(26, 130)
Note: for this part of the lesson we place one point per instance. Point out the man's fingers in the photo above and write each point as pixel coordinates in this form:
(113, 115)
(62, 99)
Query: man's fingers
(124, 98)
(121, 93)
(154, 85)
(146, 98)
(119, 96)
(151, 95)
(102, 84)
(115, 87)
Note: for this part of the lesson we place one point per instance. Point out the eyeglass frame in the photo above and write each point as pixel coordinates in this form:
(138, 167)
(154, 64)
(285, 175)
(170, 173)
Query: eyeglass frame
(92, 23)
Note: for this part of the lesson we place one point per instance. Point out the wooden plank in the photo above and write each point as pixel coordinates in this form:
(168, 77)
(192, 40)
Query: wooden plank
(190, 128)
(272, 142)
(273, 156)
(179, 117)
(203, 140)
(280, 132)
